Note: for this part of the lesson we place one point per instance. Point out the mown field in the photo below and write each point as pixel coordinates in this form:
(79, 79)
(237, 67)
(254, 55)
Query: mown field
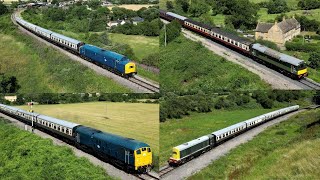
(40, 68)
(177, 131)
(134, 120)
(187, 65)
(134, 7)
(289, 150)
(27, 156)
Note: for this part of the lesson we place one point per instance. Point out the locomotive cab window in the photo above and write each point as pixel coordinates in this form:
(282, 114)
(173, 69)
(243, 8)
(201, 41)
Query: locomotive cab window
(143, 149)
(149, 149)
(139, 151)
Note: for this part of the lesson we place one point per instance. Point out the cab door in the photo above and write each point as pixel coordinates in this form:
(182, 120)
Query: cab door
(127, 156)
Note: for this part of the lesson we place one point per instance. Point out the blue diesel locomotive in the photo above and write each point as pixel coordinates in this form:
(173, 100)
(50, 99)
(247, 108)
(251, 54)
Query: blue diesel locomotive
(129, 154)
(107, 59)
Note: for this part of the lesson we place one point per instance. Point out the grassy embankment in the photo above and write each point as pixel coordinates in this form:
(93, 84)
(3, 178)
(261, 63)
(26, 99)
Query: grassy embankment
(27, 156)
(40, 68)
(134, 120)
(142, 46)
(187, 65)
(289, 150)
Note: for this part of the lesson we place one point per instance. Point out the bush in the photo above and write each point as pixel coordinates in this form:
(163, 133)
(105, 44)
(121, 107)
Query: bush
(298, 46)
(277, 6)
(314, 60)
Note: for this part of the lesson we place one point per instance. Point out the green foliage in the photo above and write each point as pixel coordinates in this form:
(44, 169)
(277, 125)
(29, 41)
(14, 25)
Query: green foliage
(269, 44)
(8, 84)
(94, 4)
(171, 31)
(309, 4)
(277, 6)
(3, 8)
(300, 46)
(151, 60)
(188, 66)
(183, 4)
(198, 7)
(307, 24)
(144, 28)
(314, 59)
(32, 156)
(169, 5)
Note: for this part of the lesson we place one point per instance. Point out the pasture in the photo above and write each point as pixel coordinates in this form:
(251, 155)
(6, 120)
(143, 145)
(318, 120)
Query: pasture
(289, 150)
(177, 131)
(134, 7)
(25, 156)
(134, 120)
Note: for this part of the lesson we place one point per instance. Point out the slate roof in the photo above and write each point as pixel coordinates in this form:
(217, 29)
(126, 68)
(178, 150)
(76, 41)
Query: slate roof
(285, 25)
(288, 25)
(264, 27)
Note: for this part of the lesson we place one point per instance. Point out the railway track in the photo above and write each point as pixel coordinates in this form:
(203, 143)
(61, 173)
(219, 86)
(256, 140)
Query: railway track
(165, 170)
(311, 84)
(147, 176)
(144, 83)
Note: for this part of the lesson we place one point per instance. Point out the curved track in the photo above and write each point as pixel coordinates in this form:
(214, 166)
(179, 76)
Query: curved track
(167, 172)
(146, 84)
(137, 87)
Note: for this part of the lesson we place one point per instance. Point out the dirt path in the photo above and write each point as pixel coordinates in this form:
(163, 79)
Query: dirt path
(207, 158)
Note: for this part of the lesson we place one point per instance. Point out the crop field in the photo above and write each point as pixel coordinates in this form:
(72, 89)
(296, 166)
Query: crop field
(25, 156)
(187, 65)
(289, 150)
(291, 3)
(134, 7)
(134, 120)
(177, 131)
(39, 68)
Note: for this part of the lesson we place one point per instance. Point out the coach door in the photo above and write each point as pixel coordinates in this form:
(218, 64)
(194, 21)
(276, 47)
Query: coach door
(127, 156)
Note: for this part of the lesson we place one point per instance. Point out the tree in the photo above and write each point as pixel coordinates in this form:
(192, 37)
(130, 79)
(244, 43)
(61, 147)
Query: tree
(94, 4)
(3, 8)
(277, 6)
(309, 4)
(184, 4)
(169, 5)
(173, 30)
(9, 84)
(198, 7)
(314, 60)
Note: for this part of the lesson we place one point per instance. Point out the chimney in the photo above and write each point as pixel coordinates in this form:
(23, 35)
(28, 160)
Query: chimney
(276, 22)
(283, 18)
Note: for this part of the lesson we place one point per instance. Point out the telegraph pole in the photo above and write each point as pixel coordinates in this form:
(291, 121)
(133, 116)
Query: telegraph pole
(165, 35)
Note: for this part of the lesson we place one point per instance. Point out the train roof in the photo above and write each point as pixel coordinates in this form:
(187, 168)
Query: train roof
(227, 129)
(106, 53)
(177, 16)
(128, 143)
(74, 41)
(221, 32)
(162, 11)
(44, 30)
(254, 119)
(58, 121)
(275, 54)
(192, 143)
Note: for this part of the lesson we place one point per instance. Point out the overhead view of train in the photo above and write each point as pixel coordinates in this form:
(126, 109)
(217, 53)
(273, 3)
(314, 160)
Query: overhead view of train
(194, 148)
(131, 155)
(110, 60)
(288, 65)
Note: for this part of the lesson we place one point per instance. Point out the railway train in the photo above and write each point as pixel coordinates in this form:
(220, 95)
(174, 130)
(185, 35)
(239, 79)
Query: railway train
(286, 64)
(129, 154)
(194, 148)
(110, 60)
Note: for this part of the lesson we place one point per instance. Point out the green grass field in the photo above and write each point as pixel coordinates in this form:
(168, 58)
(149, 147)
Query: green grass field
(40, 68)
(178, 131)
(134, 120)
(27, 156)
(289, 150)
(291, 3)
(187, 65)
(142, 45)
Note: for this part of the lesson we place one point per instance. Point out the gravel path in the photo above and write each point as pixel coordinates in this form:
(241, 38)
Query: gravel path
(110, 170)
(272, 77)
(99, 70)
(207, 158)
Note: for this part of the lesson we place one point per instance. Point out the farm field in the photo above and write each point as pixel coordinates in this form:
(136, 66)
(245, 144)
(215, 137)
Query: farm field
(39, 68)
(208, 71)
(289, 150)
(134, 120)
(25, 156)
(177, 131)
(134, 7)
